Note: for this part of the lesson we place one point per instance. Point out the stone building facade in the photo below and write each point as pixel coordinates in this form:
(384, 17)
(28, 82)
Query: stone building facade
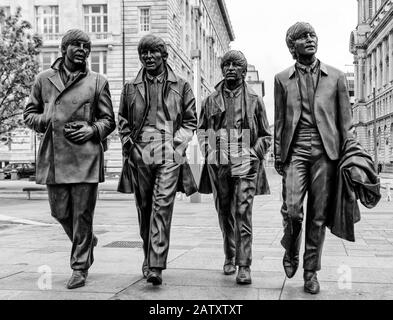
(372, 46)
(197, 32)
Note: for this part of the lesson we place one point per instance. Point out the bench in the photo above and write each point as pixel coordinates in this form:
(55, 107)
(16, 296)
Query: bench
(29, 190)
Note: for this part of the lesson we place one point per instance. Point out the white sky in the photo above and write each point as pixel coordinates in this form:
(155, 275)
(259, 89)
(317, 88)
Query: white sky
(260, 27)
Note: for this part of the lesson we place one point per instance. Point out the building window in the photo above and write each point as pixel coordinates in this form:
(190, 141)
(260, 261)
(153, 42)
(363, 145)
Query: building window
(98, 61)
(96, 18)
(47, 59)
(144, 20)
(47, 21)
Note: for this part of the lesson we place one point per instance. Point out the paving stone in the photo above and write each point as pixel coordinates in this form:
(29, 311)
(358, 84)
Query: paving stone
(331, 291)
(99, 283)
(52, 295)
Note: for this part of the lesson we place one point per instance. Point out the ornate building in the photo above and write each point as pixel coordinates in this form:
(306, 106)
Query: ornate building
(372, 46)
(197, 32)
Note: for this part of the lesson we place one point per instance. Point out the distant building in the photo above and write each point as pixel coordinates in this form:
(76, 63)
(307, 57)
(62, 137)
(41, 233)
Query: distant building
(197, 32)
(351, 86)
(372, 46)
(252, 79)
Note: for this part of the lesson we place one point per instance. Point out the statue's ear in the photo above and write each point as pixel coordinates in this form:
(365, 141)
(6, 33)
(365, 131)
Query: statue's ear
(244, 73)
(292, 50)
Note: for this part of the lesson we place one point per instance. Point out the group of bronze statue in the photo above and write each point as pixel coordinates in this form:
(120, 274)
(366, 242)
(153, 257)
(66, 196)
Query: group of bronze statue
(71, 106)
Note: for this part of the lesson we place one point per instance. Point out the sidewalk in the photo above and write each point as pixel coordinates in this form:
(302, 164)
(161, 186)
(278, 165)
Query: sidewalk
(35, 254)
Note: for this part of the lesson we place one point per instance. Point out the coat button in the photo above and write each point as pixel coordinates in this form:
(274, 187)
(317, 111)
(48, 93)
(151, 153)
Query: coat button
(57, 101)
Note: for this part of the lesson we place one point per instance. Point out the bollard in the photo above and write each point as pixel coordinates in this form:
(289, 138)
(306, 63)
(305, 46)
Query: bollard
(388, 194)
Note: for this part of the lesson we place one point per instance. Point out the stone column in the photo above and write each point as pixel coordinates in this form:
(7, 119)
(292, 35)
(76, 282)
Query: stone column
(373, 73)
(377, 62)
(383, 58)
(361, 84)
(390, 51)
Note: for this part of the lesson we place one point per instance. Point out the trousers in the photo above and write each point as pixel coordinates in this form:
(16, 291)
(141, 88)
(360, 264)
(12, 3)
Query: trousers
(308, 170)
(155, 185)
(234, 197)
(72, 205)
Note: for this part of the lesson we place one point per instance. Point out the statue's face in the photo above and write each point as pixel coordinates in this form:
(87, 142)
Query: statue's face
(77, 52)
(306, 44)
(233, 71)
(152, 60)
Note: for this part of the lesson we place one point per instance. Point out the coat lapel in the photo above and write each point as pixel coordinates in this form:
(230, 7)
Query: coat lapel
(141, 89)
(218, 100)
(57, 82)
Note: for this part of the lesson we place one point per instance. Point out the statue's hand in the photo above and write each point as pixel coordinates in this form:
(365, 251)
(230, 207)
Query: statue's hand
(79, 132)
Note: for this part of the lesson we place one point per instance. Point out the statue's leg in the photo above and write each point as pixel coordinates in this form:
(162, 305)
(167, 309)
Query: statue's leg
(222, 186)
(164, 193)
(83, 198)
(245, 188)
(320, 198)
(143, 183)
(60, 205)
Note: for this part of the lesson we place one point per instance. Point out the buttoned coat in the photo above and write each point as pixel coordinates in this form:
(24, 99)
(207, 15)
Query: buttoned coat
(179, 108)
(332, 110)
(212, 117)
(50, 106)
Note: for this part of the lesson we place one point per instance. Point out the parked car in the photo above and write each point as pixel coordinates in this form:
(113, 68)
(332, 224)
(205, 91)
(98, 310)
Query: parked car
(24, 170)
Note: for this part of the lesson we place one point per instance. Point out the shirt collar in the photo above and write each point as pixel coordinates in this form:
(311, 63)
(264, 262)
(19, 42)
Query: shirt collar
(233, 93)
(313, 66)
(68, 72)
(159, 78)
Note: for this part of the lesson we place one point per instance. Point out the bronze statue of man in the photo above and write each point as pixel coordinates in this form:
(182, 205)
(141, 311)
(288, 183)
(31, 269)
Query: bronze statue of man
(157, 119)
(312, 120)
(72, 107)
(233, 133)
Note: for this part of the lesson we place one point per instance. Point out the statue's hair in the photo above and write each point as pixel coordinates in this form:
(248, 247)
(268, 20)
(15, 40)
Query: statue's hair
(295, 32)
(151, 41)
(74, 35)
(234, 55)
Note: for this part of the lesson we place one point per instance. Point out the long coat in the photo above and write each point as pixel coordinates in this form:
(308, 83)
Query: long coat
(50, 106)
(332, 110)
(356, 179)
(212, 118)
(179, 107)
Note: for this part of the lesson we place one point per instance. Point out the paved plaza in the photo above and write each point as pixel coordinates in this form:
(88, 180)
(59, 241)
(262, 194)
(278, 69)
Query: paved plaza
(34, 256)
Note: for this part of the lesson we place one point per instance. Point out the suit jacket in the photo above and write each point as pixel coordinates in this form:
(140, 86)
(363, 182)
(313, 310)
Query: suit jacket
(212, 118)
(179, 107)
(356, 179)
(331, 107)
(50, 106)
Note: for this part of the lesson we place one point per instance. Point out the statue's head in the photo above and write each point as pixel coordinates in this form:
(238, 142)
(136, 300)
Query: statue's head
(76, 46)
(234, 66)
(302, 40)
(153, 53)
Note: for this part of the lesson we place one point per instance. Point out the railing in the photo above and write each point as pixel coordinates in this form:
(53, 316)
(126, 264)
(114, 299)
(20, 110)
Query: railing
(51, 36)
